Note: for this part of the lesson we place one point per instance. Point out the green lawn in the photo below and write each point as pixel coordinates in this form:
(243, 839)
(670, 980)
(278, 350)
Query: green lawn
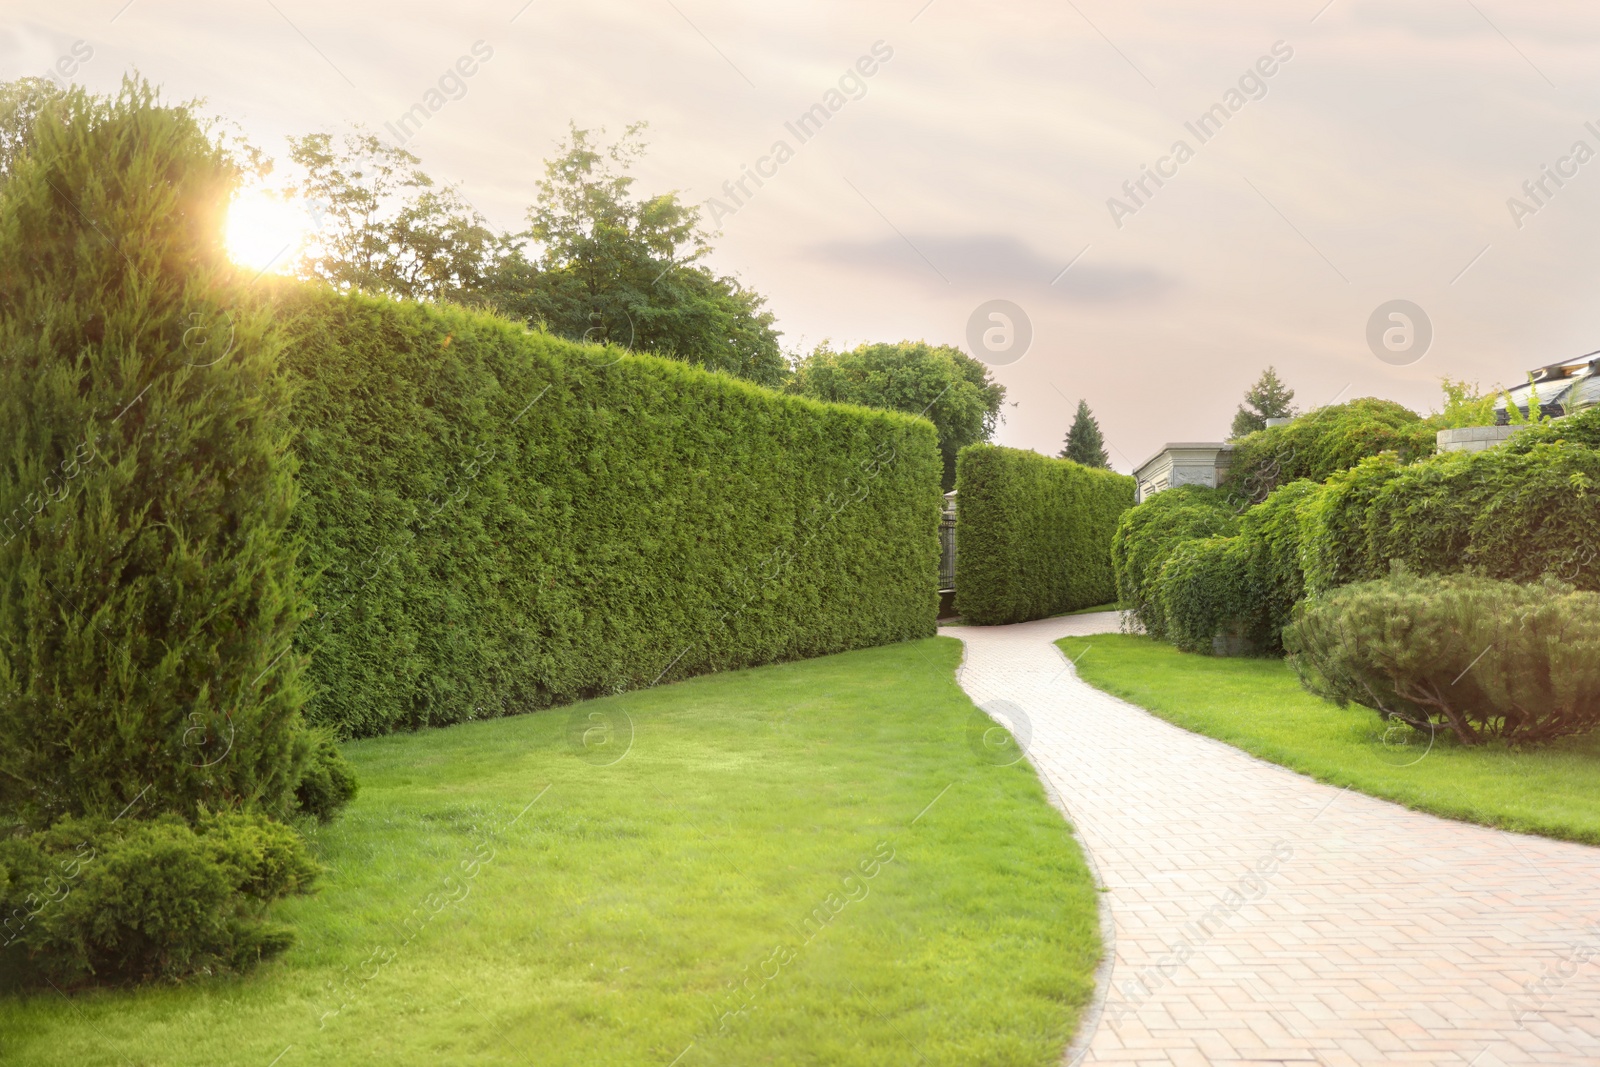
(1259, 706)
(802, 864)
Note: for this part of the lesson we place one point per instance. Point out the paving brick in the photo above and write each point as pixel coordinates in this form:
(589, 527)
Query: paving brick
(1373, 935)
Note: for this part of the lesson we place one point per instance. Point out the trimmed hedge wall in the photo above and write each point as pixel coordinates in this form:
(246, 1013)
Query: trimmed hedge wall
(498, 520)
(1034, 534)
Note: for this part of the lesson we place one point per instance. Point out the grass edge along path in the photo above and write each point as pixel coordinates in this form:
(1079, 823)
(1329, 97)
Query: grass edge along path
(810, 862)
(1258, 705)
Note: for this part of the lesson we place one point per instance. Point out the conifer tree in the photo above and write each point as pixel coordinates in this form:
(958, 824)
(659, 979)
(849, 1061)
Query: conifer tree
(1084, 442)
(1269, 398)
(148, 588)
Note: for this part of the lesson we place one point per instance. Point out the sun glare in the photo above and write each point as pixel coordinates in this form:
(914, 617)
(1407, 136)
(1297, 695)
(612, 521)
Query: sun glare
(265, 232)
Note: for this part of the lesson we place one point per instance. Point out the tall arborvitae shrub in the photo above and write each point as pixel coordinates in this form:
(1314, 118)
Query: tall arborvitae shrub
(148, 594)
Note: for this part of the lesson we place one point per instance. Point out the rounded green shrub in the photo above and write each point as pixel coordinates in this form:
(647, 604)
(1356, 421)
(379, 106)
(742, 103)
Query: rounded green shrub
(97, 902)
(1511, 514)
(1204, 589)
(1321, 442)
(1148, 533)
(1481, 658)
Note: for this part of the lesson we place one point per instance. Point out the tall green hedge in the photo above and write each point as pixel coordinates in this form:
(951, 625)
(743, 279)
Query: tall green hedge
(498, 520)
(1034, 534)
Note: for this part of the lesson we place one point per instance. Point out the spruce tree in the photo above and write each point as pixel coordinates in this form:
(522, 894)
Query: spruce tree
(1269, 398)
(1084, 442)
(148, 587)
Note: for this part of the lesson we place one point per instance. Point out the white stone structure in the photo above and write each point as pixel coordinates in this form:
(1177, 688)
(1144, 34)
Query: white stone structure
(1182, 463)
(1474, 438)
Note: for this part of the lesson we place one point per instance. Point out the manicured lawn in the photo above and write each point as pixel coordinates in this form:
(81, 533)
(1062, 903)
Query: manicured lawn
(1258, 705)
(799, 864)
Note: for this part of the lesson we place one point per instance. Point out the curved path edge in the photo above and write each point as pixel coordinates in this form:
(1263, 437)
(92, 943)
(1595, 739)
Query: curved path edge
(1252, 915)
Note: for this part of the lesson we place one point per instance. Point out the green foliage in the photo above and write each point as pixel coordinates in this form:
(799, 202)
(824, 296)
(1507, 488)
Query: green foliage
(1324, 441)
(1511, 513)
(1485, 659)
(938, 382)
(1203, 587)
(329, 782)
(1581, 430)
(385, 227)
(1147, 534)
(502, 520)
(1034, 534)
(97, 902)
(1084, 442)
(612, 268)
(1242, 589)
(21, 101)
(1465, 405)
(148, 588)
(1269, 398)
(602, 266)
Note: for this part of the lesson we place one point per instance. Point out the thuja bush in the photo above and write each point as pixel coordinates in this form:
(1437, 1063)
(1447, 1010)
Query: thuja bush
(149, 593)
(148, 590)
(1035, 534)
(94, 901)
(498, 520)
(1481, 658)
(1147, 535)
(1516, 514)
(1324, 441)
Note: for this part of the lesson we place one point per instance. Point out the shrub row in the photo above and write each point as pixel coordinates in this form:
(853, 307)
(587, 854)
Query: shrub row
(498, 520)
(1481, 658)
(1516, 513)
(1035, 534)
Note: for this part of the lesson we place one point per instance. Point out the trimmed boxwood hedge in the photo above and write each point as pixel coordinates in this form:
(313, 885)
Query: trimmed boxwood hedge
(497, 520)
(1034, 534)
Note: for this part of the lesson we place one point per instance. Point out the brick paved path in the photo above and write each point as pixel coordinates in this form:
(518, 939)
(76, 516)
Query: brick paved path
(1263, 918)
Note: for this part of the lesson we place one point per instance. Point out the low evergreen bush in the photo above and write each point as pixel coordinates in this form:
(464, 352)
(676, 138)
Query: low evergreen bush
(1149, 533)
(1481, 658)
(92, 902)
(1034, 534)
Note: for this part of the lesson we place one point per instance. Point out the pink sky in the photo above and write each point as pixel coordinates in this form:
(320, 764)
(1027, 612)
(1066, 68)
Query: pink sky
(977, 161)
